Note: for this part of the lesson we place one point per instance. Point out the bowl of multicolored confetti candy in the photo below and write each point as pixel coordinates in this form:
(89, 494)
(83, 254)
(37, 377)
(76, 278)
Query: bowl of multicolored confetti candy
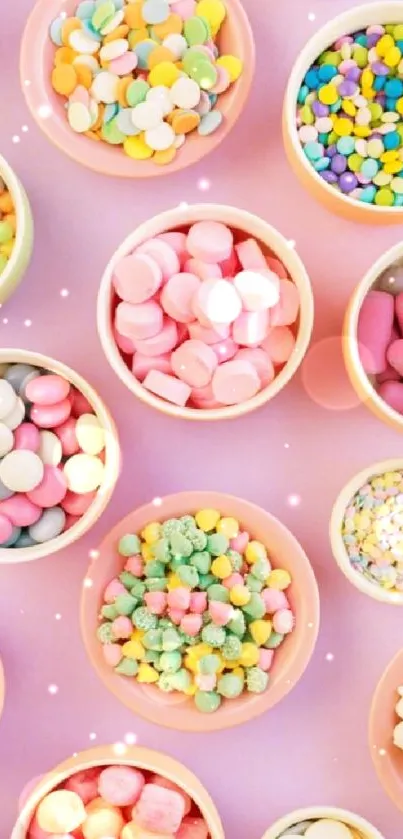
(366, 531)
(205, 312)
(322, 823)
(200, 611)
(119, 791)
(343, 114)
(137, 89)
(59, 456)
(16, 231)
(386, 730)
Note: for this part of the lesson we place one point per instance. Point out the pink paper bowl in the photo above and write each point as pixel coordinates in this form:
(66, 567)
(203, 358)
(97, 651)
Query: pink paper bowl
(175, 710)
(366, 830)
(386, 757)
(2, 688)
(271, 241)
(36, 62)
(127, 756)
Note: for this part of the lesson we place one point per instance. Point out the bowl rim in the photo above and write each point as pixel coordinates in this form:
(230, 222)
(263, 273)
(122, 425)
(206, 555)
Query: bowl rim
(41, 16)
(2, 687)
(344, 23)
(338, 550)
(11, 355)
(24, 224)
(350, 328)
(138, 756)
(378, 760)
(211, 722)
(320, 812)
(244, 221)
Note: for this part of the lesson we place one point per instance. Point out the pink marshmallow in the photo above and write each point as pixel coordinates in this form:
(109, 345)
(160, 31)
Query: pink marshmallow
(211, 334)
(274, 600)
(203, 270)
(163, 254)
(139, 322)
(198, 602)
(176, 615)
(159, 810)
(136, 278)
(279, 344)
(234, 382)
(167, 784)
(261, 362)
(156, 602)
(179, 598)
(209, 241)
(84, 784)
(251, 255)
(275, 265)
(233, 580)
(251, 328)
(283, 621)
(112, 654)
(206, 681)
(121, 785)
(26, 436)
(124, 344)
(221, 613)
(113, 589)
(240, 542)
(135, 564)
(265, 659)
(194, 363)
(161, 343)
(285, 312)
(225, 349)
(142, 364)
(177, 295)
(191, 624)
(122, 627)
(167, 387)
(177, 241)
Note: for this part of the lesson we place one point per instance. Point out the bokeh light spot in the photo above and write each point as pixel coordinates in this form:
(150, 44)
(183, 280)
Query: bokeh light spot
(325, 378)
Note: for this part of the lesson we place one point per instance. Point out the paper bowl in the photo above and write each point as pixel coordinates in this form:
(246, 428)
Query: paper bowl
(2, 688)
(386, 757)
(19, 259)
(112, 459)
(175, 710)
(36, 62)
(239, 220)
(350, 21)
(367, 830)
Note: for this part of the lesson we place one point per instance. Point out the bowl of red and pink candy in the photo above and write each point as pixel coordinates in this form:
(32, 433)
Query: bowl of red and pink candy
(119, 792)
(205, 312)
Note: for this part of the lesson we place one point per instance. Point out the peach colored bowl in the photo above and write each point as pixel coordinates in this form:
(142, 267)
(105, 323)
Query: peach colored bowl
(128, 756)
(240, 220)
(386, 757)
(367, 830)
(358, 377)
(2, 688)
(337, 544)
(356, 18)
(47, 109)
(19, 259)
(112, 459)
(291, 659)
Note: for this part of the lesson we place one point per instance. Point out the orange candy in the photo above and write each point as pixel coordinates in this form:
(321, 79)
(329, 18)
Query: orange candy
(158, 55)
(6, 203)
(64, 79)
(133, 16)
(120, 32)
(136, 36)
(84, 75)
(69, 26)
(64, 55)
(185, 121)
(164, 157)
(123, 84)
(172, 26)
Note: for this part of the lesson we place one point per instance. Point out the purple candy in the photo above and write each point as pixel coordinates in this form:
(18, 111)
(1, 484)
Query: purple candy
(339, 164)
(331, 150)
(328, 176)
(347, 88)
(379, 68)
(347, 182)
(319, 109)
(354, 74)
(372, 39)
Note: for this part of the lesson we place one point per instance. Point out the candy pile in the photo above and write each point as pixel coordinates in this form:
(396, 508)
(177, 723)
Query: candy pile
(380, 337)
(197, 609)
(322, 829)
(350, 115)
(51, 455)
(118, 802)
(205, 317)
(142, 74)
(398, 729)
(372, 531)
(7, 225)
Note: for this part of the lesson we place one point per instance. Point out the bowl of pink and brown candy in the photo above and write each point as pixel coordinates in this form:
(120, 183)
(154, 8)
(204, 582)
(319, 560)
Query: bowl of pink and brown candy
(205, 312)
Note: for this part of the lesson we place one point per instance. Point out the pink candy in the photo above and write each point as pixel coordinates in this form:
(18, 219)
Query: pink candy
(159, 810)
(121, 785)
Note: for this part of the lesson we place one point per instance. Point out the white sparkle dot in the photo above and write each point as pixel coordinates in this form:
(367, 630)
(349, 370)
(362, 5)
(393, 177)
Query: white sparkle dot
(44, 111)
(88, 582)
(130, 738)
(329, 656)
(75, 754)
(310, 625)
(203, 184)
(58, 616)
(335, 759)
(294, 500)
(64, 292)
(286, 445)
(93, 736)
(183, 205)
(382, 752)
(16, 138)
(24, 128)
(311, 16)
(291, 243)
(119, 748)
(5, 320)
(53, 689)
(157, 502)
(288, 681)
(27, 82)
(27, 322)
(63, 14)
(22, 612)
(93, 554)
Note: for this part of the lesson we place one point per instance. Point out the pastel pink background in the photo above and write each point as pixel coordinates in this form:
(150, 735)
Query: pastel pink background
(312, 748)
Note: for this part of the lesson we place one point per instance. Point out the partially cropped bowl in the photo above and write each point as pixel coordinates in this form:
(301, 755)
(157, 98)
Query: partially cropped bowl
(241, 222)
(366, 830)
(112, 458)
(386, 757)
(174, 710)
(361, 382)
(2, 687)
(47, 108)
(18, 262)
(121, 755)
(353, 20)
(393, 598)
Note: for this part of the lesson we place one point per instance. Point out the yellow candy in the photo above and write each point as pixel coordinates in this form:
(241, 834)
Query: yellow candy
(191, 690)
(392, 57)
(136, 147)
(399, 106)
(147, 674)
(229, 665)
(254, 551)
(260, 631)
(367, 78)
(174, 582)
(221, 567)
(165, 74)
(60, 810)
(249, 655)
(8, 247)
(279, 579)
(207, 520)
(146, 552)
(213, 11)
(199, 650)
(228, 527)
(384, 44)
(389, 157)
(393, 167)
(328, 94)
(232, 65)
(151, 533)
(343, 127)
(190, 664)
(349, 107)
(239, 671)
(239, 595)
(133, 649)
(137, 634)
(362, 131)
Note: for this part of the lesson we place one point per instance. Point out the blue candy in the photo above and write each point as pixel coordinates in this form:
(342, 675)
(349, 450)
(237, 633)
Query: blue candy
(55, 31)
(209, 123)
(392, 140)
(86, 10)
(89, 30)
(369, 167)
(346, 145)
(322, 163)
(327, 72)
(398, 202)
(368, 194)
(379, 83)
(110, 112)
(394, 88)
(302, 94)
(142, 51)
(313, 150)
(312, 79)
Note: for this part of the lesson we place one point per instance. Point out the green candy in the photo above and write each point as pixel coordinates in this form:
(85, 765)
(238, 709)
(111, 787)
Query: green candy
(192, 58)
(156, 583)
(274, 641)
(236, 560)
(237, 624)
(165, 683)
(171, 526)
(153, 568)
(213, 635)
(111, 133)
(103, 14)
(253, 584)
(136, 92)
(160, 550)
(181, 680)
(152, 640)
(171, 640)
(261, 569)
(143, 620)
(330, 57)
(127, 667)
(307, 115)
(217, 544)
(127, 579)
(6, 232)
(109, 611)
(256, 608)
(170, 662)
(218, 592)
(256, 680)
(105, 633)
(180, 545)
(207, 701)
(209, 664)
(125, 603)
(196, 31)
(205, 75)
(176, 562)
(189, 640)
(230, 686)
(198, 539)
(232, 648)
(138, 589)
(129, 545)
(201, 561)
(152, 657)
(188, 522)
(205, 581)
(188, 576)
(360, 55)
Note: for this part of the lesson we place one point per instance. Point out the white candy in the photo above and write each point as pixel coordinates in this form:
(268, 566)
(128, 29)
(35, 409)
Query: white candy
(90, 434)
(83, 473)
(160, 95)
(79, 117)
(185, 93)
(80, 42)
(16, 416)
(398, 735)
(147, 115)
(8, 398)
(88, 61)
(114, 23)
(114, 49)
(104, 87)
(50, 448)
(6, 439)
(399, 709)
(257, 291)
(176, 43)
(21, 470)
(179, 140)
(160, 138)
(328, 829)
